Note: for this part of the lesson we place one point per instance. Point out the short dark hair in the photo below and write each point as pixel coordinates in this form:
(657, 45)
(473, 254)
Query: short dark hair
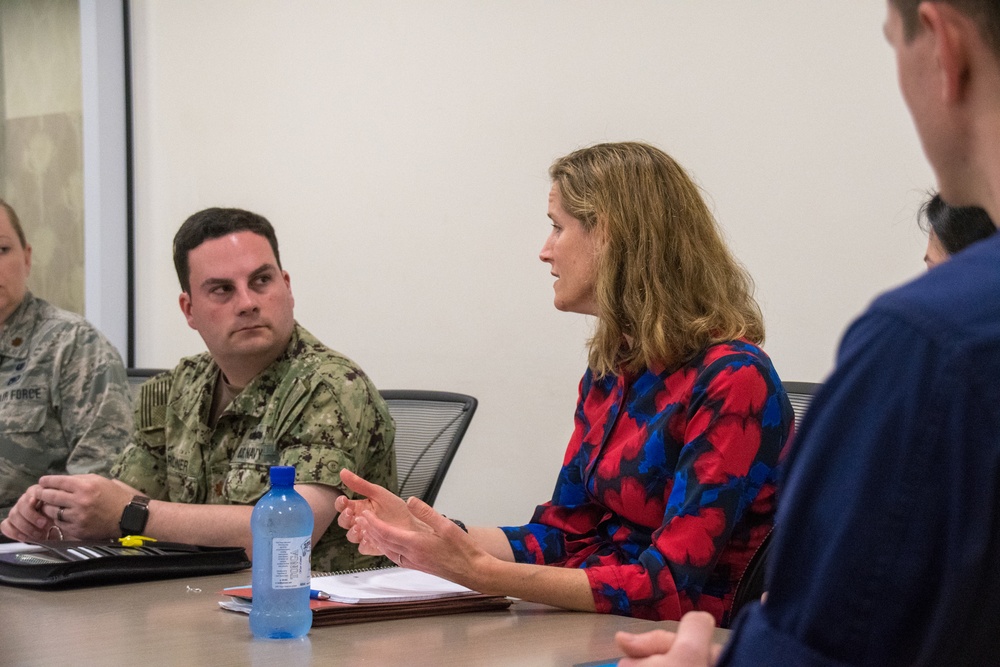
(984, 13)
(15, 222)
(956, 227)
(213, 223)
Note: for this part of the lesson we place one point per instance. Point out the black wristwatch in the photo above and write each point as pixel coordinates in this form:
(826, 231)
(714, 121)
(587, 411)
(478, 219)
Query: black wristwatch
(134, 516)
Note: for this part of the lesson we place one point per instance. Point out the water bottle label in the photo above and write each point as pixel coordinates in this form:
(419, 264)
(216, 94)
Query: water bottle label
(290, 562)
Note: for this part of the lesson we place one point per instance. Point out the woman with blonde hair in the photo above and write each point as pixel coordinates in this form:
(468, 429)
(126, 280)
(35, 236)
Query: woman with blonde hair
(667, 485)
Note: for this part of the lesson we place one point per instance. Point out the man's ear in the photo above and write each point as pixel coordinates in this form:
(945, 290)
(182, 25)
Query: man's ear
(288, 283)
(185, 303)
(952, 32)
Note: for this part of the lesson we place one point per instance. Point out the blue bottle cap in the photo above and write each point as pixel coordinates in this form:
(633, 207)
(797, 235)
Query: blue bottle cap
(282, 475)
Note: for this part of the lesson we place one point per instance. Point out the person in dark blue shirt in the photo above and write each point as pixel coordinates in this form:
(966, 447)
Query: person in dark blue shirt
(887, 540)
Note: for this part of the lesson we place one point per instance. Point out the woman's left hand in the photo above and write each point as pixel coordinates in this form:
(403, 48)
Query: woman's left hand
(375, 500)
(444, 550)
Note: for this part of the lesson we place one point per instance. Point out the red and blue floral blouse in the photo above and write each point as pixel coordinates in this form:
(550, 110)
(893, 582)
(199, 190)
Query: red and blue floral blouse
(668, 484)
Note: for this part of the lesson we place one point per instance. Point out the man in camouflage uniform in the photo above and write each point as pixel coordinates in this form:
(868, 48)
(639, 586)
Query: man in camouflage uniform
(65, 404)
(266, 393)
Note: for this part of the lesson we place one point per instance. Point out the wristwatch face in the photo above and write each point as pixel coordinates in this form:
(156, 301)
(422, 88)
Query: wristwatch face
(133, 520)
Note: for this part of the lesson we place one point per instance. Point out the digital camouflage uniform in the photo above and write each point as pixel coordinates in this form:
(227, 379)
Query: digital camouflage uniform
(312, 408)
(65, 405)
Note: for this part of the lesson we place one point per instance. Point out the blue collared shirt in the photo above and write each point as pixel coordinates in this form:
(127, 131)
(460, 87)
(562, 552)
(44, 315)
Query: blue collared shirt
(887, 546)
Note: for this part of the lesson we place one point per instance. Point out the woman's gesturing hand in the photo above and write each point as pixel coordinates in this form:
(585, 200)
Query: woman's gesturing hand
(381, 502)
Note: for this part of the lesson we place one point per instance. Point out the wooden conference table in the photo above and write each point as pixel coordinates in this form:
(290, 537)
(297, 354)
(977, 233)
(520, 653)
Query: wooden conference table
(179, 622)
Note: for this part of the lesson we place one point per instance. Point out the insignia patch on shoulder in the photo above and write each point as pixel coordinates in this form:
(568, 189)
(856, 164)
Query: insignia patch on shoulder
(153, 396)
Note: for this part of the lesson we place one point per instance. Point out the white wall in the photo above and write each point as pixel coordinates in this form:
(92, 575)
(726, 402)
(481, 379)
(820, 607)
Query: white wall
(105, 177)
(401, 148)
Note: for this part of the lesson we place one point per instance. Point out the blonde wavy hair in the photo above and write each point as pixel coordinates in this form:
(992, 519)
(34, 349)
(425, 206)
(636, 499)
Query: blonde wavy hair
(667, 286)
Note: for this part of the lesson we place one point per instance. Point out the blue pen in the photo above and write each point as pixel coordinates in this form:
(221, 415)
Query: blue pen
(318, 595)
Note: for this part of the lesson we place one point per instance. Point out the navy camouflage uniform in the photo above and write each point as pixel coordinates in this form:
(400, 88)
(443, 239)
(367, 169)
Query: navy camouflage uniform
(312, 408)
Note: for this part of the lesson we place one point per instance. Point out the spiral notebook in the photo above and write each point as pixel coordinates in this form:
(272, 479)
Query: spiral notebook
(381, 594)
(387, 584)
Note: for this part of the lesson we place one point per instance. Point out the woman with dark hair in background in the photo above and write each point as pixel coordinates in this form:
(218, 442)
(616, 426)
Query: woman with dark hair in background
(951, 228)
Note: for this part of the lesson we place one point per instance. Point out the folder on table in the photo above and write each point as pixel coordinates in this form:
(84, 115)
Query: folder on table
(381, 594)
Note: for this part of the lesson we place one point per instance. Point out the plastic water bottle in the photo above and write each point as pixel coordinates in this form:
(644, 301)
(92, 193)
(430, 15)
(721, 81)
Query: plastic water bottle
(282, 524)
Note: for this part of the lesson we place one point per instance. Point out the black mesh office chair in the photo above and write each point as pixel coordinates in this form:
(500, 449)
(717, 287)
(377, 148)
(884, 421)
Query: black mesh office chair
(800, 395)
(751, 585)
(430, 426)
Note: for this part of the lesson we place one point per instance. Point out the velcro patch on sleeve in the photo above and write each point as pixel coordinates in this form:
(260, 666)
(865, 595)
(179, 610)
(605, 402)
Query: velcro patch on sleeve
(153, 398)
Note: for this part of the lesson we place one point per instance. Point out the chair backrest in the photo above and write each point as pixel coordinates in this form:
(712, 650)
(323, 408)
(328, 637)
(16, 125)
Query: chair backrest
(429, 428)
(751, 585)
(800, 395)
(136, 376)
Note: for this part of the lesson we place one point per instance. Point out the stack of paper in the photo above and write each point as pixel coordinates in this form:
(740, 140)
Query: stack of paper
(389, 584)
(381, 594)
